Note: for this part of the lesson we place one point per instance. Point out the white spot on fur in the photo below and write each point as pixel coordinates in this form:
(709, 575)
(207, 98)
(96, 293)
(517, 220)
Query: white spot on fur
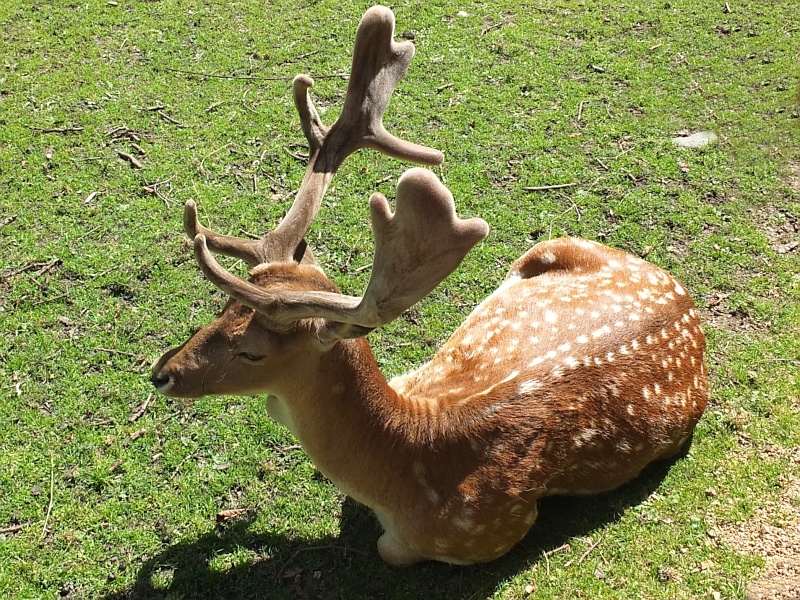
(527, 387)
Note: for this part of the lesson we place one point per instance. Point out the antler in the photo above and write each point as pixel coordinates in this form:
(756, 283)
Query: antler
(378, 65)
(415, 249)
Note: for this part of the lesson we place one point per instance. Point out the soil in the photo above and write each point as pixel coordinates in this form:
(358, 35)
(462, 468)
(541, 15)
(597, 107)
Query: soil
(773, 533)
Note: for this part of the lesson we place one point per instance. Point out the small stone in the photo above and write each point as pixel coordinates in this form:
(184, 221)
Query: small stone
(599, 573)
(462, 14)
(700, 139)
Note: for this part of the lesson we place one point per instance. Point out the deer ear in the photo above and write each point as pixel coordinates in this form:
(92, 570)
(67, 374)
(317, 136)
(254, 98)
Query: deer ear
(304, 255)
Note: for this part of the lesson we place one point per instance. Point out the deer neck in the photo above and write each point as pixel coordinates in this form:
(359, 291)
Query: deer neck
(356, 429)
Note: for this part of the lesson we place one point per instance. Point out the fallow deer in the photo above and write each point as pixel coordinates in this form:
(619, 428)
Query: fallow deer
(583, 367)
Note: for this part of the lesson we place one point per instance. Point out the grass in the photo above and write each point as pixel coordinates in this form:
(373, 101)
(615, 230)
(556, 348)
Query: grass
(96, 278)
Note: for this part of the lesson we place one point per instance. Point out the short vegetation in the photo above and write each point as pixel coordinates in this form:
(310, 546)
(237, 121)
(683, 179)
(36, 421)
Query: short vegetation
(556, 118)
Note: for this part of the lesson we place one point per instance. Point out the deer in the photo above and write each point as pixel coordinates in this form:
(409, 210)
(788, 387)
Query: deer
(582, 368)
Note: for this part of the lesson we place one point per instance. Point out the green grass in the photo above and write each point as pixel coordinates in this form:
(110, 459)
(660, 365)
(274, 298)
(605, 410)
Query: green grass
(96, 278)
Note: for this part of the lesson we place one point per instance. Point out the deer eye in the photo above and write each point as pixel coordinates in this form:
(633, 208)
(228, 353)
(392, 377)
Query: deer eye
(246, 356)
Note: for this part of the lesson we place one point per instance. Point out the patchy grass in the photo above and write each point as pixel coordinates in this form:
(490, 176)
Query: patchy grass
(109, 491)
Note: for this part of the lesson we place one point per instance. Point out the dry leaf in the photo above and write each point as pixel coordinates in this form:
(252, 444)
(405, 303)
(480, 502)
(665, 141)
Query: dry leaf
(224, 516)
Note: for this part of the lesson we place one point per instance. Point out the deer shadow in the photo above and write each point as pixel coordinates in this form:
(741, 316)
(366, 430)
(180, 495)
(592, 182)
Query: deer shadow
(336, 567)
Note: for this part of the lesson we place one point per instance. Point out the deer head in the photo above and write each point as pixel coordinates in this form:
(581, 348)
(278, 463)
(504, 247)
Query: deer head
(288, 304)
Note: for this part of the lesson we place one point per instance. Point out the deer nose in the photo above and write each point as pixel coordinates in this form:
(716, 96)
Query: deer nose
(159, 380)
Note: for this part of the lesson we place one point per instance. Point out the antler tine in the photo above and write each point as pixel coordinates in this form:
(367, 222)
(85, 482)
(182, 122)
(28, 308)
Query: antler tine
(415, 249)
(247, 250)
(378, 65)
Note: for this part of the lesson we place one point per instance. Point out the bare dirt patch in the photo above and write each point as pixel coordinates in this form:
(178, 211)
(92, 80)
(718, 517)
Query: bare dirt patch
(773, 533)
(781, 227)
(793, 179)
(779, 223)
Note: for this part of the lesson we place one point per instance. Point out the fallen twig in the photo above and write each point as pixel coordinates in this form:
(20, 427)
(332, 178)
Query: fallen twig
(301, 550)
(490, 27)
(247, 106)
(295, 155)
(152, 188)
(165, 116)
(580, 109)
(252, 236)
(11, 529)
(123, 132)
(135, 162)
(50, 504)
(558, 186)
(43, 267)
(718, 299)
(140, 410)
(113, 351)
(210, 154)
(52, 299)
(441, 88)
(298, 58)
(250, 77)
(585, 554)
(561, 548)
(72, 129)
(180, 464)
